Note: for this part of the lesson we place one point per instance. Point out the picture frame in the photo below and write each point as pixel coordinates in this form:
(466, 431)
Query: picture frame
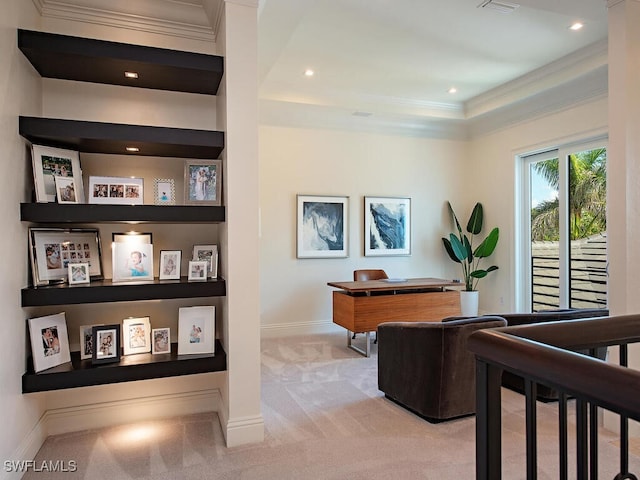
(86, 341)
(66, 190)
(387, 226)
(78, 273)
(322, 226)
(106, 341)
(49, 163)
(160, 341)
(132, 262)
(131, 237)
(53, 249)
(136, 335)
(197, 271)
(169, 264)
(208, 253)
(49, 341)
(164, 191)
(203, 182)
(196, 330)
(116, 190)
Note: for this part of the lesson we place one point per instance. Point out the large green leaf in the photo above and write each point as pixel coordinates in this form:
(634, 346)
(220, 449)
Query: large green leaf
(449, 249)
(474, 226)
(455, 219)
(488, 245)
(459, 250)
(482, 273)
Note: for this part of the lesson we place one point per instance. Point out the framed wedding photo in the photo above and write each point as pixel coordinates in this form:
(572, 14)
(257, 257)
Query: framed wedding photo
(164, 191)
(66, 190)
(203, 182)
(322, 226)
(387, 226)
(196, 330)
(161, 341)
(136, 335)
(53, 249)
(197, 271)
(49, 163)
(170, 264)
(86, 342)
(49, 341)
(116, 190)
(78, 273)
(208, 253)
(106, 344)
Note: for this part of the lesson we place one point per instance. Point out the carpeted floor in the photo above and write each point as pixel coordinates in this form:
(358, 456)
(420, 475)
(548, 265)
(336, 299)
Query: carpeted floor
(324, 419)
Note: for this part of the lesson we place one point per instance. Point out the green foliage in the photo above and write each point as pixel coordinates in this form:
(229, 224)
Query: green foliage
(460, 248)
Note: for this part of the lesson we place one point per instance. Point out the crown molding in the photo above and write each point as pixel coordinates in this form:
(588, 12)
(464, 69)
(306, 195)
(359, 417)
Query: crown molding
(246, 3)
(613, 3)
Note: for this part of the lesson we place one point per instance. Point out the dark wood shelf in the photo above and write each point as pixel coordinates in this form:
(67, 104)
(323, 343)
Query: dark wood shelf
(113, 138)
(98, 61)
(142, 366)
(97, 213)
(104, 291)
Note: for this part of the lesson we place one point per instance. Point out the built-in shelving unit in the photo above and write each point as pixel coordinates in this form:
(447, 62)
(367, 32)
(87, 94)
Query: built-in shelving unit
(88, 60)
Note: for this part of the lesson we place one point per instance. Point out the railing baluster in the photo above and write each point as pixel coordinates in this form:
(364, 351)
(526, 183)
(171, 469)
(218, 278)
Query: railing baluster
(581, 440)
(593, 432)
(488, 422)
(562, 436)
(532, 451)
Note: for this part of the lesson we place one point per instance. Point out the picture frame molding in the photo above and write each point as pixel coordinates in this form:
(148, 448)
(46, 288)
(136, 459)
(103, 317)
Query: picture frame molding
(304, 231)
(190, 190)
(198, 316)
(399, 203)
(43, 357)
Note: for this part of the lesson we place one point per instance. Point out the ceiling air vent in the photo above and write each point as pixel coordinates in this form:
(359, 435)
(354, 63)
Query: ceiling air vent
(499, 6)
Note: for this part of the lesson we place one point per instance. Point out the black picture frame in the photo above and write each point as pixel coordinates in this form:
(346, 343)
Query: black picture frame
(109, 353)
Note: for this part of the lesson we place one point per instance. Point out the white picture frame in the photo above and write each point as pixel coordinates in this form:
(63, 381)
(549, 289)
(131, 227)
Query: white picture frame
(78, 273)
(164, 191)
(66, 190)
(196, 330)
(387, 226)
(49, 341)
(160, 341)
(197, 271)
(116, 190)
(322, 226)
(208, 253)
(86, 341)
(136, 335)
(132, 261)
(169, 264)
(50, 162)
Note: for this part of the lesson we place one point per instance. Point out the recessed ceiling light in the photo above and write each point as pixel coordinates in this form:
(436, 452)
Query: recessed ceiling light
(309, 73)
(131, 74)
(453, 90)
(576, 26)
(132, 149)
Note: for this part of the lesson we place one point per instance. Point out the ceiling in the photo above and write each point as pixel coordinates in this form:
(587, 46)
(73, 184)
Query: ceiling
(390, 63)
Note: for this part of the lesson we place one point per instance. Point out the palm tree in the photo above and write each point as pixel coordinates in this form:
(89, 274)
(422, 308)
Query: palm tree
(587, 197)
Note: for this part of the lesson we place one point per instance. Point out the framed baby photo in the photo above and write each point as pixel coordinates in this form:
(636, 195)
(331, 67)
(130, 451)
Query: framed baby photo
(136, 335)
(86, 342)
(78, 273)
(66, 190)
(116, 190)
(49, 163)
(49, 341)
(203, 182)
(170, 264)
(132, 257)
(106, 344)
(164, 191)
(160, 341)
(197, 271)
(196, 330)
(208, 253)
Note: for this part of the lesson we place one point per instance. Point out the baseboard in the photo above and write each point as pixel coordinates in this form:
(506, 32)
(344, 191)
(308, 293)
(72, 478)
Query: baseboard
(299, 328)
(244, 430)
(26, 450)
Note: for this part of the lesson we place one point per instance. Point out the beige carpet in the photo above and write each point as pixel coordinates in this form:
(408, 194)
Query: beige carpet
(325, 419)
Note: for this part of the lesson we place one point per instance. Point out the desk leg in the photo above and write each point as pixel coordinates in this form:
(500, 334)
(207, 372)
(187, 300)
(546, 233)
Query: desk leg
(367, 352)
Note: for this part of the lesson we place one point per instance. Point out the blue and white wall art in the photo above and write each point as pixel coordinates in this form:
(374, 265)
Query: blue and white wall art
(322, 226)
(387, 226)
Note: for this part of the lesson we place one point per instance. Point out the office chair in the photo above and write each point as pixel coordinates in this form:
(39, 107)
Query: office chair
(372, 274)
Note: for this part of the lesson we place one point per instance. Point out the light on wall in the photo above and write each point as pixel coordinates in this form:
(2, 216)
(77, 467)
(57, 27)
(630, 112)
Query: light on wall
(131, 74)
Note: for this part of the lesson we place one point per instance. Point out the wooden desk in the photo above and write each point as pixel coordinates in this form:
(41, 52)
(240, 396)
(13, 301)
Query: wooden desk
(361, 306)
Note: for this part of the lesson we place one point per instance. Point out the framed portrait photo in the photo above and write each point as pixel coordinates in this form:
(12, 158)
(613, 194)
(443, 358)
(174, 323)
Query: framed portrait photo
(169, 266)
(197, 271)
(86, 341)
(322, 226)
(203, 182)
(116, 190)
(53, 249)
(49, 163)
(160, 341)
(387, 226)
(66, 190)
(106, 344)
(196, 330)
(49, 341)
(136, 335)
(208, 253)
(78, 273)
(164, 191)
(132, 261)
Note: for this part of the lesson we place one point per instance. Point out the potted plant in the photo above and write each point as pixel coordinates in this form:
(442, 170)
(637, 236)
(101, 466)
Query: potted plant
(460, 248)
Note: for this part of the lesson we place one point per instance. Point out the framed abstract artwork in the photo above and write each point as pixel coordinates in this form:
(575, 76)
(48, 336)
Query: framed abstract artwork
(322, 226)
(387, 226)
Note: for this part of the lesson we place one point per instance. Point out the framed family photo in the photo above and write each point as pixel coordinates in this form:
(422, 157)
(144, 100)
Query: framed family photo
(203, 182)
(53, 249)
(161, 340)
(78, 273)
(208, 253)
(49, 163)
(322, 226)
(132, 257)
(170, 264)
(164, 191)
(196, 330)
(86, 341)
(197, 271)
(49, 341)
(106, 344)
(116, 190)
(66, 190)
(136, 335)
(387, 226)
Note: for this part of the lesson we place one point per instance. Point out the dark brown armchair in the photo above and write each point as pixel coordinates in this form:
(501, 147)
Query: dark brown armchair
(364, 275)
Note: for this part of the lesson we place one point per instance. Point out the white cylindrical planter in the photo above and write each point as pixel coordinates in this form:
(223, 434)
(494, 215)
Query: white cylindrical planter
(469, 303)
